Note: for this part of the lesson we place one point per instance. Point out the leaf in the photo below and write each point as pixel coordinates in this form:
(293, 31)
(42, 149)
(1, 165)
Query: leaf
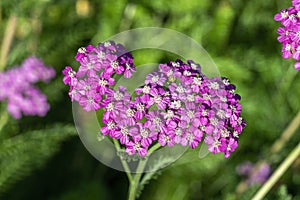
(22, 154)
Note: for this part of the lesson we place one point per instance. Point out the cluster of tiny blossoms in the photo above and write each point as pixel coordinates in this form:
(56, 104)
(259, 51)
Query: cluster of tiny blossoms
(18, 90)
(289, 34)
(176, 105)
(254, 174)
(94, 78)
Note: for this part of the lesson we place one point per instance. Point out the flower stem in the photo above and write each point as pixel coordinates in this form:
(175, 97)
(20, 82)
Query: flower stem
(124, 163)
(134, 184)
(278, 173)
(8, 36)
(286, 135)
(3, 119)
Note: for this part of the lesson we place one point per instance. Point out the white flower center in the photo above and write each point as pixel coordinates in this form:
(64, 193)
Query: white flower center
(103, 82)
(194, 66)
(214, 85)
(284, 14)
(118, 96)
(223, 99)
(214, 121)
(216, 143)
(155, 79)
(101, 55)
(110, 106)
(206, 97)
(90, 66)
(187, 73)
(107, 44)
(190, 98)
(144, 133)
(169, 114)
(90, 100)
(71, 73)
(176, 104)
(114, 64)
(81, 50)
(235, 134)
(221, 114)
(140, 107)
(197, 81)
(157, 121)
(178, 131)
(124, 130)
(157, 99)
(224, 133)
(190, 114)
(111, 125)
(87, 87)
(226, 81)
(129, 112)
(190, 137)
(146, 89)
(175, 64)
(180, 89)
(137, 146)
(204, 112)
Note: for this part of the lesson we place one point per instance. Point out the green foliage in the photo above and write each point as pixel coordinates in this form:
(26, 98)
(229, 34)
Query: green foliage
(26, 152)
(283, 193)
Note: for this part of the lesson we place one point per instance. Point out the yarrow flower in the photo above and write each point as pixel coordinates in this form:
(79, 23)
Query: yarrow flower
(289, 33)
(94, 77)
(18, 90)
(254, 174)
(176, 105)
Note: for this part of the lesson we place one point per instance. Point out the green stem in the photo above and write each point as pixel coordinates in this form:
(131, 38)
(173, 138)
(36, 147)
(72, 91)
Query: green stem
(7, 40)
(3, 119)
(278, 173)
(134, 184)
(124, 163)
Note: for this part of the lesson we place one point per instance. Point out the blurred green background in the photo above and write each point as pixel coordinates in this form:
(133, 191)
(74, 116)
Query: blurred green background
(43, 158)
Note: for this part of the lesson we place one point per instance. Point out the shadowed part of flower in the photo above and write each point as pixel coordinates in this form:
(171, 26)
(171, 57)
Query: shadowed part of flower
(18, 90)
(254, 174)
(176, 105)
(289, 33)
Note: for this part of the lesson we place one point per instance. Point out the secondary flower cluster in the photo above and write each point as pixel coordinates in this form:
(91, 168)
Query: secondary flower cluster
(95, 75)
(17, 88)
(176, 105)
(254, 174)
(289, 34)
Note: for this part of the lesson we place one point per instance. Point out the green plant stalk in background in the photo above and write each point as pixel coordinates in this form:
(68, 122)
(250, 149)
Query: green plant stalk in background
(278, 173)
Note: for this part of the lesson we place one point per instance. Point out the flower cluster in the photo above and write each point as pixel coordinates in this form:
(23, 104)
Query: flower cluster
(254, 174)
(94, 77)
(289, 33)
(17, 88)
(176, 105)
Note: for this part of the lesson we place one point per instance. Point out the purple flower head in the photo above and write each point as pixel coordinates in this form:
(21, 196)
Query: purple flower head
(254, 174)
(92, 84)
(177, 105)
(18, 90)
(289, 33)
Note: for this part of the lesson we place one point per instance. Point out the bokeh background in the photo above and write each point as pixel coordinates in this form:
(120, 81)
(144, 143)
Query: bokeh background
(43, 158)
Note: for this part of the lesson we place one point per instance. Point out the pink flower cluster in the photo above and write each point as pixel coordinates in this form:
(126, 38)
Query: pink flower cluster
(289, 33)
(176, 105)
(95, 75)
(17, 88)
(254, 174)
